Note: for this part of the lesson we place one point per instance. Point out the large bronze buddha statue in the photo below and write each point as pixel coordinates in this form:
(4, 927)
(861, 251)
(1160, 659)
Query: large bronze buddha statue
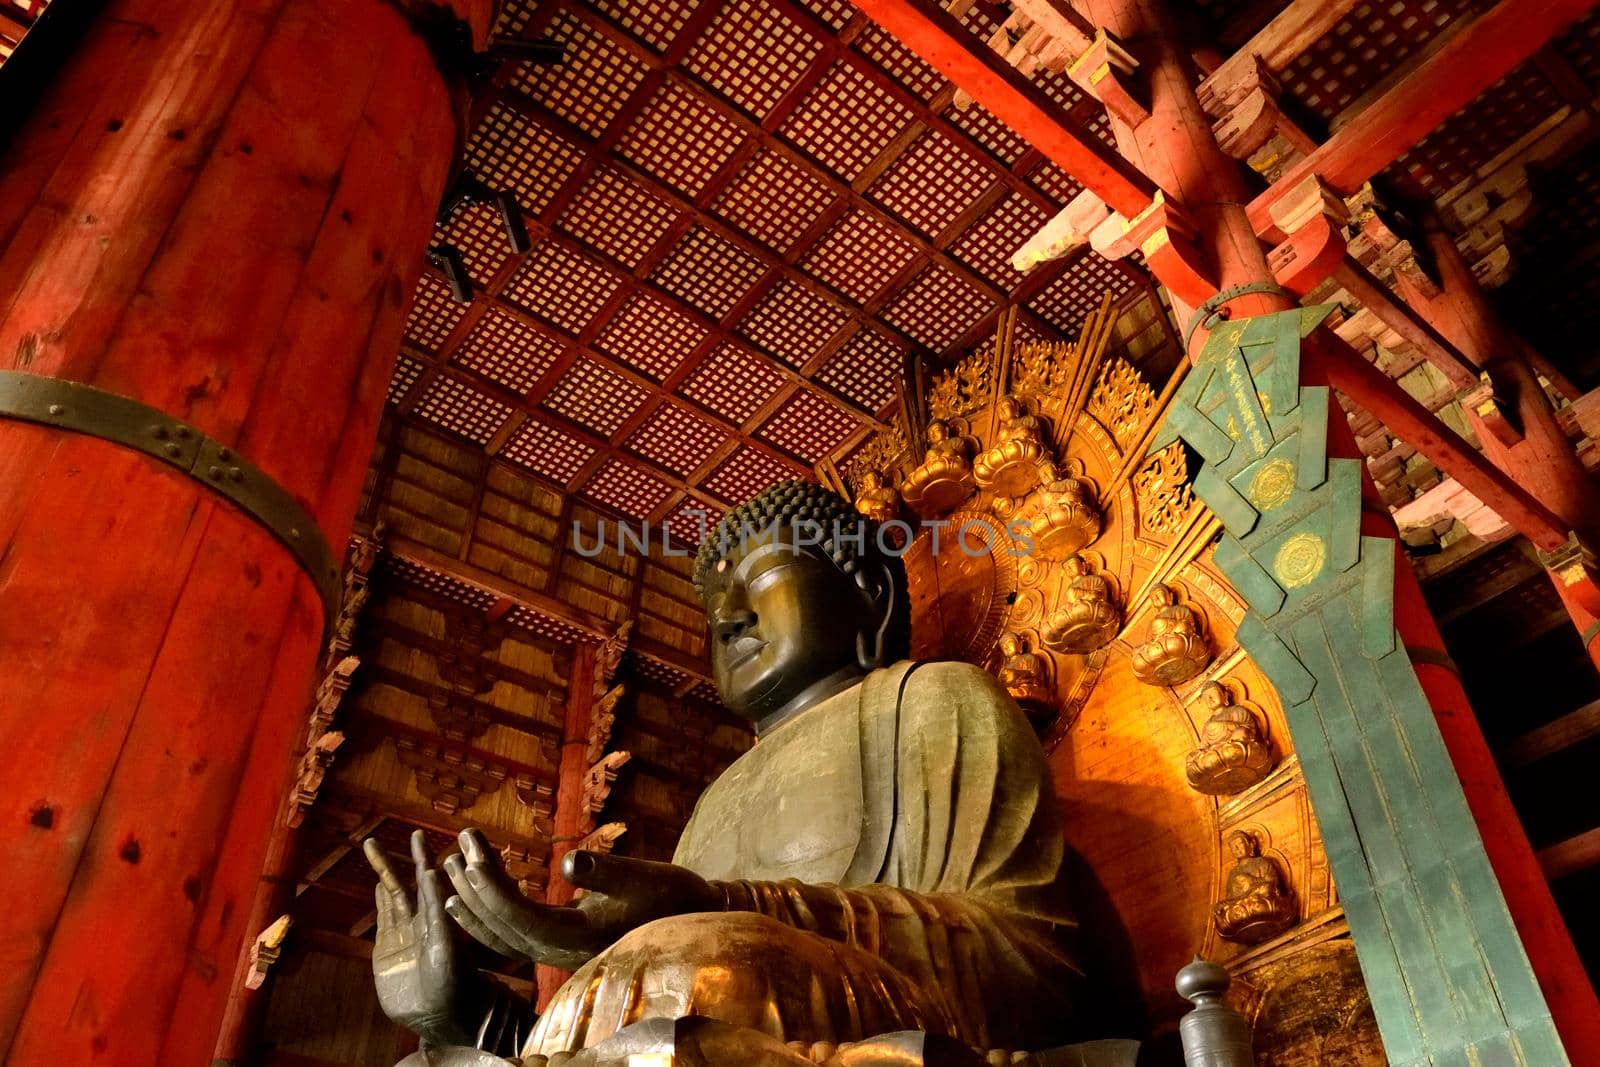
(878, 881)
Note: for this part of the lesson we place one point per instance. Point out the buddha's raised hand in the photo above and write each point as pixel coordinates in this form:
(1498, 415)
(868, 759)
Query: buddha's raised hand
(621, 894)
(415, 966)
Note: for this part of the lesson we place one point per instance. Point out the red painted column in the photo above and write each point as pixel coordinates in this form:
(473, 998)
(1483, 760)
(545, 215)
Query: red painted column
(567, 821)
(1176, 148)
(217, 210)
(1543, 461)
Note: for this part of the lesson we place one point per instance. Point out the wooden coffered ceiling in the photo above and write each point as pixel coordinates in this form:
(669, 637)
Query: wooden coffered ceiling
(744, 214)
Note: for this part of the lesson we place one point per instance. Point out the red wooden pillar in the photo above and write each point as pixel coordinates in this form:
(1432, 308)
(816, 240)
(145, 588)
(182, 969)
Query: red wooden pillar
(1536, 451)
(216, 210)
(1177, 149)
(568, 818)
(245, 1009)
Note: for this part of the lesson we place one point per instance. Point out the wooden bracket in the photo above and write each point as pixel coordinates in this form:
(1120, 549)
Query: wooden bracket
(1391, 251)
(1069, 230)
(1166, 237)
(1314, 217)
(1103, 71)
(265, 950)
(1490, 413)
(1574, 566)
(1038, 34)
(1246, 117)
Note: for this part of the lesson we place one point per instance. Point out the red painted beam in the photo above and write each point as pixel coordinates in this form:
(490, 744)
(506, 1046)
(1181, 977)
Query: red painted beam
(966, 61)
(1474, 59)
(1393, 313)
(1414, 424)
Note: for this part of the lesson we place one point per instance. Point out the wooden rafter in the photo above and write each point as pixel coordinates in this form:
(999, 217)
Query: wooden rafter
(794, 154)
(1478, 54)
(1281, 41)
(963, 59)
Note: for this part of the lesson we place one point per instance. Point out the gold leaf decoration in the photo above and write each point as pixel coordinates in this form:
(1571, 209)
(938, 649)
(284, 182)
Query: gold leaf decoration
(883, 451)
(1040, 367)
(963, 388)
(1121, 401)
(1161, 487)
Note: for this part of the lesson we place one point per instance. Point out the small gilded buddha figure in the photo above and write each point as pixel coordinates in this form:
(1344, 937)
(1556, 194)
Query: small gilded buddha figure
(876, 499)
(882, 876)
(1175, 650)
(1014, 464)
(1233, 756)
(1067, 520)
(1088, 618)
(945, 477)
(1023, 674)
(1258, 905)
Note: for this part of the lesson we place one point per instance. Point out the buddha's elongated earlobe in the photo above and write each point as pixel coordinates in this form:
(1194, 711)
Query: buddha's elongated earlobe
(872, 649)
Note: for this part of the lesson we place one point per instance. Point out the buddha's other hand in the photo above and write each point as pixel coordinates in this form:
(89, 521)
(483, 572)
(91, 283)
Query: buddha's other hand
(621, 894)
(415, 965)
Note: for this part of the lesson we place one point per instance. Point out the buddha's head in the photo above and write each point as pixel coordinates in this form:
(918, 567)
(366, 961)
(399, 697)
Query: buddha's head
(798, 592)
(872, 480)
(1011, 644)
(1075, 566)
(938, 431)
(1213, 695)
(1009, 408)
(1243, 845)
(1161, 597)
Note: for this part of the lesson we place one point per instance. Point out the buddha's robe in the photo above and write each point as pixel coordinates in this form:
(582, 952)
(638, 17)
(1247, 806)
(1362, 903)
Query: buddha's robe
(891, 860)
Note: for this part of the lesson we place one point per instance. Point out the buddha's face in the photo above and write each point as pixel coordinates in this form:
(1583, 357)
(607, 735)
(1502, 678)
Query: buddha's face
(1242, 845)
(781, 618)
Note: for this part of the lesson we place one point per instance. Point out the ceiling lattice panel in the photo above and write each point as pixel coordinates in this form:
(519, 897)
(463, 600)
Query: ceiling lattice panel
(732, 382)
(808, 426)
(675, 439)
(1371, 41)
(775, 199)
(793, 322)
(548, 451)
(507, 351)
(618, 218)
(867, 369)
(744, 214)
(562, 287)
(709, 272)
(595, 397)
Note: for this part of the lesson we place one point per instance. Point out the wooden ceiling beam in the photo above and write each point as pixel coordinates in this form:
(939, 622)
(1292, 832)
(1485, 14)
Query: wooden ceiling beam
(397, 679)
(539, 602)
(931, 115)
(351, 797)
(783, 147)
(704, 217)
(387, 727)
(960, 56)
(552, 686)
(1478, 54)
(1280, 42)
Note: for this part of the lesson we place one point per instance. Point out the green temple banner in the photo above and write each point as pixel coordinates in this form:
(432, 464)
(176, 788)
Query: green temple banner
(1445, 968)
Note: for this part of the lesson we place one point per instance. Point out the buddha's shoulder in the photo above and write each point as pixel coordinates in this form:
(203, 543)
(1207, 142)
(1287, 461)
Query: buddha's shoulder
(953, 688)
(953, 677)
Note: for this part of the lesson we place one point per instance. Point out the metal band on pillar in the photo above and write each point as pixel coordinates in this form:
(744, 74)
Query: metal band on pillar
(1214, 311)
(83, 409)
